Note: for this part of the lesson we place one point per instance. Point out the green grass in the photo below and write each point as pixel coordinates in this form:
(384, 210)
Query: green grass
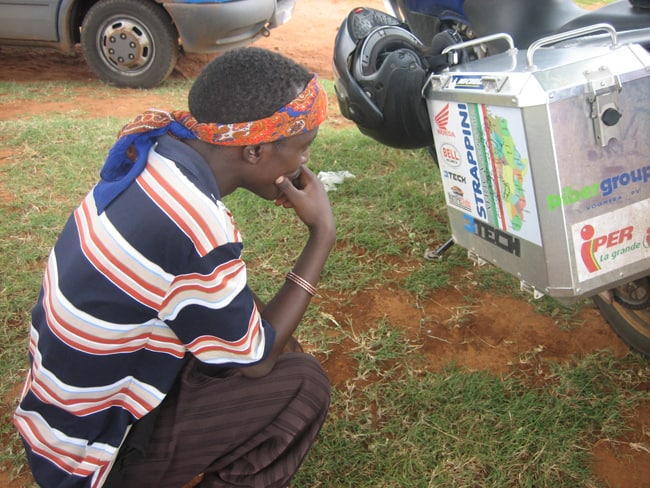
(456, 428)
(395, 422)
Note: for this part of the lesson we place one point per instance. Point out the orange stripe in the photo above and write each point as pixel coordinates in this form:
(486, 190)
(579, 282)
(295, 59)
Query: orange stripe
(183, 202)
(58, 459)
(102, 403)
(99, 403)
(118, 264)
(168, 208)
(48, 304)
(251, 332)
(220, 270)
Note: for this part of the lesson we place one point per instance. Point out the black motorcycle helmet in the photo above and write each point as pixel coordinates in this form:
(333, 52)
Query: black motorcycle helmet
(378, 82)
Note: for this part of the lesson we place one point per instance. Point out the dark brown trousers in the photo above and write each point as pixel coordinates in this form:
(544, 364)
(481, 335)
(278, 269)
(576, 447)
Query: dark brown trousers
(235, 430)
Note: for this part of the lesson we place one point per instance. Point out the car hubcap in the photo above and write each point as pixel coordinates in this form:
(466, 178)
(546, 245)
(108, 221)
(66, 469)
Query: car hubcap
(126, 45)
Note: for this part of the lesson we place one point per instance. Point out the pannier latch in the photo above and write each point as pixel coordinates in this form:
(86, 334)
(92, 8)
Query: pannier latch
(604, 87)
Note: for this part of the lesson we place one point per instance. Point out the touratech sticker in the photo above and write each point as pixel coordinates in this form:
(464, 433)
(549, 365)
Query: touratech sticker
(484, 164)
(500, 239)
(612, 240)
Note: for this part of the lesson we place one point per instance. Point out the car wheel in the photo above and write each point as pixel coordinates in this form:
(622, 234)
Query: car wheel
(129, 43)
(628, 313)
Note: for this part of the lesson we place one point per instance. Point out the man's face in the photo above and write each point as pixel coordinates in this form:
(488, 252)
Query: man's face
(281, 158)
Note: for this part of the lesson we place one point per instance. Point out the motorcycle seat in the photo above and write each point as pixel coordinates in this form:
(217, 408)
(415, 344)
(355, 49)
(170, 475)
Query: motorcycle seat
(621, 15)
(525, 20)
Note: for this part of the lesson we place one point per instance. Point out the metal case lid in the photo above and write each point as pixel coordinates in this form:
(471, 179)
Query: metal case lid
(538, 75)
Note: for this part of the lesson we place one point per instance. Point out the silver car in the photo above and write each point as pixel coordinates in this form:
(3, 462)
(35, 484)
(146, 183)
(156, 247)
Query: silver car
(136, 43)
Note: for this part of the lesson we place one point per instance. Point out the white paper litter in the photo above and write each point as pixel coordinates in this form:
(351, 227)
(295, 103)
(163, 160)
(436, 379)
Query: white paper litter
(332, 178)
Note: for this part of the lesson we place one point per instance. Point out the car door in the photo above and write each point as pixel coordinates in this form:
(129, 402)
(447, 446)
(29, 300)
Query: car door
(34, 20)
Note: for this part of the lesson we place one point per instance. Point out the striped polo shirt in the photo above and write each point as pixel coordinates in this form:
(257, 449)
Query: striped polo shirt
(126, 294)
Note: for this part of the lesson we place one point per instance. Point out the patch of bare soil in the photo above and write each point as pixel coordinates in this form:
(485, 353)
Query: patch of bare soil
(495, 334)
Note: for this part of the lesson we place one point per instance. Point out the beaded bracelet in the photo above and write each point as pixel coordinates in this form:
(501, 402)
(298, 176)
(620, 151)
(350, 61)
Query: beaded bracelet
(301, 282)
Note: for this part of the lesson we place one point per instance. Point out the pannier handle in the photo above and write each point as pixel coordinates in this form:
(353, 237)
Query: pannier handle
(563, 36)
(477, 41)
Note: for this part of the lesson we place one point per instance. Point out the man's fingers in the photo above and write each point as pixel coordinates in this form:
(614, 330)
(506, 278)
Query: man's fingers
(285, 185)
(282, 182)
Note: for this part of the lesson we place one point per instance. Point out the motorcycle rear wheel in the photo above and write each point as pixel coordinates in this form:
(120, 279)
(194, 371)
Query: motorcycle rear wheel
(630, 323)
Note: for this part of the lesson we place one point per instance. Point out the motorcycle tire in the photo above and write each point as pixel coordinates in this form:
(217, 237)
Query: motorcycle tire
(129, 43)
(630, 323)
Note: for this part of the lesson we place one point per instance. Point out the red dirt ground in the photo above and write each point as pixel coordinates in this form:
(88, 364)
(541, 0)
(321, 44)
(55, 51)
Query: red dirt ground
(497, 335)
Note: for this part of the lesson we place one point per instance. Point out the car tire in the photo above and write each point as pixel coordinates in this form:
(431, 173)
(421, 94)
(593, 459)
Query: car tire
(129, 43)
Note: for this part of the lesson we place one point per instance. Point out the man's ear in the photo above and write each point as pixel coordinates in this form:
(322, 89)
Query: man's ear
(252, 153)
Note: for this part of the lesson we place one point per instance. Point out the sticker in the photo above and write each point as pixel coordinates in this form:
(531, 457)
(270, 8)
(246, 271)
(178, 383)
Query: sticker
(613, 240)
(449, 155)
(441, 122)
(605, 192)
(496, 237)
(485, 166)
(593, 179)
(466, 82)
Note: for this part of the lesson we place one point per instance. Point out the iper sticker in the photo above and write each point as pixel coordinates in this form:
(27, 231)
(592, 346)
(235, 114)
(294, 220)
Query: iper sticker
(613, 240)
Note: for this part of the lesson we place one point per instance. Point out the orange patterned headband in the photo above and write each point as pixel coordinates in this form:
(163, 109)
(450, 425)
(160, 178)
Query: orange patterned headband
(302, 114)
(128, 156)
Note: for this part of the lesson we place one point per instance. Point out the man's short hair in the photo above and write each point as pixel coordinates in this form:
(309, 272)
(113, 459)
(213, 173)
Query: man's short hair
(245, 84)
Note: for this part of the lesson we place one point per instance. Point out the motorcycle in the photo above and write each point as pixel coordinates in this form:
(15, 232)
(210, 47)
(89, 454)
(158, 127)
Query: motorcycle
(397, 73)
(524, 21)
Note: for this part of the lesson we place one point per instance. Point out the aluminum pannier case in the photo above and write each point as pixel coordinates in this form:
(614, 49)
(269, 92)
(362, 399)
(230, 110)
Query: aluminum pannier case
(545, 161)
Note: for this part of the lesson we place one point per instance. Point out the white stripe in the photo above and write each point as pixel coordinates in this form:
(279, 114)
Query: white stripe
(139, 397)
(221, 226)
(145, 267)
(213, 350)
(103, 335)
(72, 447)
(123, 258)
(197, 294)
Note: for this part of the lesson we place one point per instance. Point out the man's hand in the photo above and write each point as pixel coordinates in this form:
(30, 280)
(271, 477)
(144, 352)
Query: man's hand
(310, 201)
(285, 310)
